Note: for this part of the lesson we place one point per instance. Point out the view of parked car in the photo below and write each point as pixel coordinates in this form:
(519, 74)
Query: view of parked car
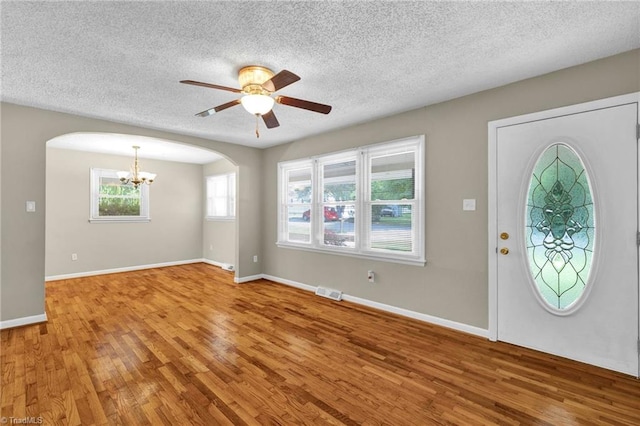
(393, 211)
(330, 215)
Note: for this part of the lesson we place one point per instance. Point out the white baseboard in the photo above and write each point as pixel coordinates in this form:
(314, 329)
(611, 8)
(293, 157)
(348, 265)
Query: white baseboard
(213, 262)
(222, 265)
(19, 322)
(290, 283)
(125, 269)
(419, 316)
(247, 279)
(465, 328)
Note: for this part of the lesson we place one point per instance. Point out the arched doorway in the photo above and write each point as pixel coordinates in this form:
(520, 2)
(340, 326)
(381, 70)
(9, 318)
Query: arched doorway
(176, 232)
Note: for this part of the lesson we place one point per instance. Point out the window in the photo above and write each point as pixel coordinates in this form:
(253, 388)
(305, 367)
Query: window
(111, 201)
(560, 227)
(221, 197)
(366, 202)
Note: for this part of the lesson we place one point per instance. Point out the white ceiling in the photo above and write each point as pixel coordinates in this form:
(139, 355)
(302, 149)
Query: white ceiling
(123, 61)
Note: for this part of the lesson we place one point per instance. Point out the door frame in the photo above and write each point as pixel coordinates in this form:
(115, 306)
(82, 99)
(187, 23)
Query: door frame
(493, 126)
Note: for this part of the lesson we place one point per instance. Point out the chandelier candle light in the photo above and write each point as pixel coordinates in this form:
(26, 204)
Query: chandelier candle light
(135, 176)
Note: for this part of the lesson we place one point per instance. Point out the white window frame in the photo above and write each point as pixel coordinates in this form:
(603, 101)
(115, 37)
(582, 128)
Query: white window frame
(230, 182)
(95, 217)
(363, 203)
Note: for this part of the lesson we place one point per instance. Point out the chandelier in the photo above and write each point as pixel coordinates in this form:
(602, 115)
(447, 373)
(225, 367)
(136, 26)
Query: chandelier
(135, 176)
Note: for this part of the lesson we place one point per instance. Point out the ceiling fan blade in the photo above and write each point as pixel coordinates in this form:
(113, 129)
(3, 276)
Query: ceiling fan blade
(280, 80)
(308, 105)
(211, 86)
(270, 120)
(219, 108)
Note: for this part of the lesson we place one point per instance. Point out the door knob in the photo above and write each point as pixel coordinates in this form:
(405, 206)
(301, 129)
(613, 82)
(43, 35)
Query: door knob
(504, 236)
(504, 251)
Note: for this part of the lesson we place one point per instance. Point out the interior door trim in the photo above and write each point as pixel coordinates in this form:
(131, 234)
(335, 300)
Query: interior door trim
(493, 238)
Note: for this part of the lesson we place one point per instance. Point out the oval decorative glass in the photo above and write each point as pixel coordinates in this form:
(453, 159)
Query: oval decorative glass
(560, 227)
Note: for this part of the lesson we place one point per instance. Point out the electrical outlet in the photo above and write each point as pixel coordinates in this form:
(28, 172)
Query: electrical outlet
(255, 258)
(371, 276)
(210, 247)
(74, 256)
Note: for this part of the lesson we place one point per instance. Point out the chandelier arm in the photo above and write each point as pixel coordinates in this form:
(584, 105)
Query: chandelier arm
(135, 176)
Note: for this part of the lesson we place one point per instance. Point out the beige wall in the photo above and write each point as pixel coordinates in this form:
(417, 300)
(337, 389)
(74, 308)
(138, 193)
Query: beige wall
(173, 234)
(24, 134)
(453, 284)
(219, 238)
(1, 209)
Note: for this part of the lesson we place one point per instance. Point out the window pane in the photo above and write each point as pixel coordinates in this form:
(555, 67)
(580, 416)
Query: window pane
(221, 199)
(298, 210)
(299, 186)
(339, 225)
(217, 206)
(391, 227)
(119, 207)
(232, 195)
(392, 177)
(219, 187)
(116, 199)
(111, 186)
(298, 223)
(339, 181)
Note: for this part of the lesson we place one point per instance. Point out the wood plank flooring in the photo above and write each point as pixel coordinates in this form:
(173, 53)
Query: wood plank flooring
(185, 345)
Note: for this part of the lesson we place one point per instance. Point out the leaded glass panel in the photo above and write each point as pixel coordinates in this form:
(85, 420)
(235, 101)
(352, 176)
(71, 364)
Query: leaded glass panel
(560, 226)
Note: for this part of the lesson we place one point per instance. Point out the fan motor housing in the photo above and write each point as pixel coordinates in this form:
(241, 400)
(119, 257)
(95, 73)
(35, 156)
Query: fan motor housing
(252, 77)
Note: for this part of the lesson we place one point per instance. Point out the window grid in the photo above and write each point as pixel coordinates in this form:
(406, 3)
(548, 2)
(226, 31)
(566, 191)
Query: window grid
(342, 216)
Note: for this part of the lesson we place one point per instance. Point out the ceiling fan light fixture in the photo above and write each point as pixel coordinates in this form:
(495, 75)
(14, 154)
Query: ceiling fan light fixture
(257, 104)
(258, 84)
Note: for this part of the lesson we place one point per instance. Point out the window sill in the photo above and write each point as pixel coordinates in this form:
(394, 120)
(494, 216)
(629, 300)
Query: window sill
(220, 218)
(382, 257)
(120, 220)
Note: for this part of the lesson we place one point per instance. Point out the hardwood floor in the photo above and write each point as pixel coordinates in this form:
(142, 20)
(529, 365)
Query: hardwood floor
(185, 345)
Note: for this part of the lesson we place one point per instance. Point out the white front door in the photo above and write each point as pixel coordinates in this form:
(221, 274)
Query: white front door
(564, 278)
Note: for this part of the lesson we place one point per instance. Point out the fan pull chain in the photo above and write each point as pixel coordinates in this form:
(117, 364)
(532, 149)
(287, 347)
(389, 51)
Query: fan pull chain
(257, 122)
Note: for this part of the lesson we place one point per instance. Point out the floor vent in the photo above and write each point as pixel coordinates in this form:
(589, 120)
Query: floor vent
(329, 293)
(227, 267)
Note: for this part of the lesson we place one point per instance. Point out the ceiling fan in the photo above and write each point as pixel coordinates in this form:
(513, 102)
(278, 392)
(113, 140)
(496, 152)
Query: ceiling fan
(258, 84)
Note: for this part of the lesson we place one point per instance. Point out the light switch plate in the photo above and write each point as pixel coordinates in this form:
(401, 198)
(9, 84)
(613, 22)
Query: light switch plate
(31, 206)
(469, 204)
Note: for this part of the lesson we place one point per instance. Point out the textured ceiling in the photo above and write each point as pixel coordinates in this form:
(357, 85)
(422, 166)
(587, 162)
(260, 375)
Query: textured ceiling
(122, 61)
